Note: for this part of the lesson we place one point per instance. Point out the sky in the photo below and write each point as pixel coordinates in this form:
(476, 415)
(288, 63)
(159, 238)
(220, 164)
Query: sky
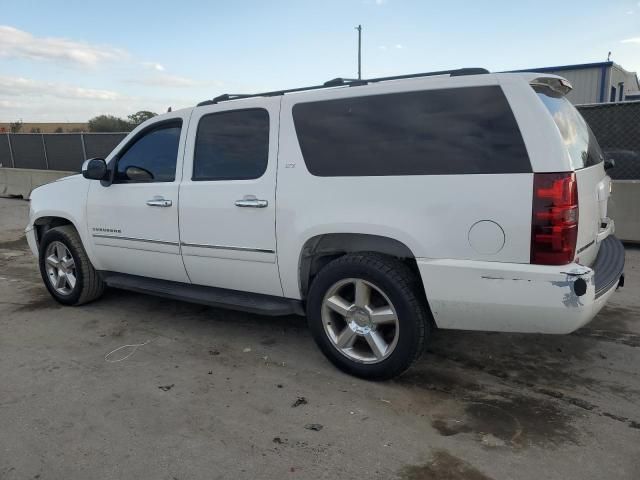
(71, 60)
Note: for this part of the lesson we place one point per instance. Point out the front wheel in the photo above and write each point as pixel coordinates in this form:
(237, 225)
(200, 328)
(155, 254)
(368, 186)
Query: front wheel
(66, 269)
(366, 315)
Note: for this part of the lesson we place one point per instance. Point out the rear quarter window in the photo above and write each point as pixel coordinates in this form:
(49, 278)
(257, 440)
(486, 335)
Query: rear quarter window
(468, 130)
(578, 138)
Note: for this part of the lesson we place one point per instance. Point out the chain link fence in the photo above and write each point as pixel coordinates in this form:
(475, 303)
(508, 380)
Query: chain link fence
(617, 128)
(54, 151)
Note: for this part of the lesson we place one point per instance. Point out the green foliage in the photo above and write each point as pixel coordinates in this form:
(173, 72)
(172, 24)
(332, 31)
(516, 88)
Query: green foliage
(137, 118)
(108, 123)
(16, 126)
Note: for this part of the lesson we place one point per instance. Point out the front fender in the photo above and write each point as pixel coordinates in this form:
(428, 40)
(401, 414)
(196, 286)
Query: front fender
(66, 199)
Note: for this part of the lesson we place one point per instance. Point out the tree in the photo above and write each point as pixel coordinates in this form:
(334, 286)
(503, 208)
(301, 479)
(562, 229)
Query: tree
(58, 130)
(108, 123)
(15, 126)
(35, 130)
(137, 118)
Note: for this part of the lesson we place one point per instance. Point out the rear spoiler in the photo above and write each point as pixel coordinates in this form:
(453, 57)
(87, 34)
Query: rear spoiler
(561, 86)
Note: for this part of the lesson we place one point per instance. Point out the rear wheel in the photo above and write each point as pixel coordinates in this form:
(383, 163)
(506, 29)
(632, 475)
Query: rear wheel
(65, 267)
(366, 315)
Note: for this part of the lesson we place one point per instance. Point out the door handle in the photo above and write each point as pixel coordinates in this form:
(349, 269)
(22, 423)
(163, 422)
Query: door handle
(158, 201)
(251, 202)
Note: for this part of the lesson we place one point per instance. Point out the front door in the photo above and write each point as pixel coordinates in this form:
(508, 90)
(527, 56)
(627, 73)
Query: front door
(227, 196)
(133, 222)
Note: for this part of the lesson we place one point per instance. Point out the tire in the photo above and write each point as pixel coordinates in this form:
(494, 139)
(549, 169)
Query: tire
(333, 292)
(86, 285)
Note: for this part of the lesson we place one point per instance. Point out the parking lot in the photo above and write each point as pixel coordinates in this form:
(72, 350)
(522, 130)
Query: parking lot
(210, 393)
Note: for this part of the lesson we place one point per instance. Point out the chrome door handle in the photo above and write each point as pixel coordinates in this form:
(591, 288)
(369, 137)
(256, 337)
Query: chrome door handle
(252, 202)
(159, 202)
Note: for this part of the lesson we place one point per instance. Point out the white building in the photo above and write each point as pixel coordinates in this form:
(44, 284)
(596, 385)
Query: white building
(601, 82)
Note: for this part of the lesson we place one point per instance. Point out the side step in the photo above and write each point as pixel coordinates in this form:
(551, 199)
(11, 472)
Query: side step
(214, 297)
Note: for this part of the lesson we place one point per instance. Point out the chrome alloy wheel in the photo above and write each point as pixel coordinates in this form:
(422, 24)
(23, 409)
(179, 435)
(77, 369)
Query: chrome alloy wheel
(360, 320)
(60, 267)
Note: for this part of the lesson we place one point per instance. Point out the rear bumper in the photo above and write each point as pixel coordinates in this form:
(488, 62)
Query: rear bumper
(508, 297)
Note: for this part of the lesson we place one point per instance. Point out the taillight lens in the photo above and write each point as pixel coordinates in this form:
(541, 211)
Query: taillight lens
(554, 221)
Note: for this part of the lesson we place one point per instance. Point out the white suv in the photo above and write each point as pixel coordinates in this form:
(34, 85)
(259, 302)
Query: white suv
(379, 208)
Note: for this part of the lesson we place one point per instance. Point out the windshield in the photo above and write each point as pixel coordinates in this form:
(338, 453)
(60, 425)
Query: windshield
(578, 137)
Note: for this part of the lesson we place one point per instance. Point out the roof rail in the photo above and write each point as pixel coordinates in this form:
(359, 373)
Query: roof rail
(343, 82)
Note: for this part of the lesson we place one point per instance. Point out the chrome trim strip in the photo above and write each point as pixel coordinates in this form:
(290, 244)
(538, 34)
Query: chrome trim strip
(145, 240)
(225, 247)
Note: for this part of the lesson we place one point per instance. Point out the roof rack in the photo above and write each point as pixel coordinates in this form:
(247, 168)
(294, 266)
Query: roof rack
(343, 82)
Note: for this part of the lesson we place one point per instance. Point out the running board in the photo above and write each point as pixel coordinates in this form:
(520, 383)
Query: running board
(211, 296)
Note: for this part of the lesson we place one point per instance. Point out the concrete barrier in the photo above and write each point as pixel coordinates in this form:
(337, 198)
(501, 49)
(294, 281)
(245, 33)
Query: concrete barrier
(22, 181)
(624, 208)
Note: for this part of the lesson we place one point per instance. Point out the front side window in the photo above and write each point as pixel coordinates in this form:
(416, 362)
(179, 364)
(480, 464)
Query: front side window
(152, 157)
(232, 145)
(578, 138)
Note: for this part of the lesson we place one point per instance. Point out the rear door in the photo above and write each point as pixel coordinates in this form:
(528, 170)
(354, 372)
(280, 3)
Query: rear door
(227, 196)
(587, 162)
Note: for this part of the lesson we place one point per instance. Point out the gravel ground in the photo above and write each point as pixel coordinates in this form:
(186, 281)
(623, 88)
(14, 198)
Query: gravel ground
(219, 394)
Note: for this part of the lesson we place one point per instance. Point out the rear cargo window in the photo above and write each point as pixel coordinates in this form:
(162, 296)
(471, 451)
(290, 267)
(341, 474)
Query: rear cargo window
(435, 132)
(578, 138)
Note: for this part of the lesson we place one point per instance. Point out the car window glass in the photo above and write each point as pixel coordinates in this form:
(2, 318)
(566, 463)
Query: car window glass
(232, 145)
(431, 132)
(151, 158)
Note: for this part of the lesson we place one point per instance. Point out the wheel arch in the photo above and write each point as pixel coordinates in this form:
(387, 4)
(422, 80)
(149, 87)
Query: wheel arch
(47, 222)
(319, 250)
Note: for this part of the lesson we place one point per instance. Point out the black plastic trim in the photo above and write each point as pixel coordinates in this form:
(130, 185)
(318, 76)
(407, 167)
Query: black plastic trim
(214, 297)
(338, 82)
(609, 265)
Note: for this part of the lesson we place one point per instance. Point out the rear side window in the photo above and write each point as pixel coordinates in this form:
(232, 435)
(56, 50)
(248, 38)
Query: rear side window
(435, 132)
(577, 136)
(232, 145)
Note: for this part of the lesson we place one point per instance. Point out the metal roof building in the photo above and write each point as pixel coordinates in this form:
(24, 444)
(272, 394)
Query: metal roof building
(600, 82)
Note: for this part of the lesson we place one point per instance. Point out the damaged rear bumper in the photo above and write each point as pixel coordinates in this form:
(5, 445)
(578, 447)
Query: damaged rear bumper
(509, 297)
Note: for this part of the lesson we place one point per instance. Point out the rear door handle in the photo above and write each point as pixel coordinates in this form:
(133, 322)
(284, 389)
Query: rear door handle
(251, 202)
(158, 201)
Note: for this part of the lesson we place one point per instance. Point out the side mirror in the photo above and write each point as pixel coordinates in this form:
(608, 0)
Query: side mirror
(138, 174)
(94, 169)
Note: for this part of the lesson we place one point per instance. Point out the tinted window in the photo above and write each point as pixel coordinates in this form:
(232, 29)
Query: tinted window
(232, 145)
(156, 152)
(578, 138)
(435, 132)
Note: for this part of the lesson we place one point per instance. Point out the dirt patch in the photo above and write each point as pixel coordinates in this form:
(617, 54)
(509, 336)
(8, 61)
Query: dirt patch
(517, 422)
(37, 304)
(19, 244)
(443, 466)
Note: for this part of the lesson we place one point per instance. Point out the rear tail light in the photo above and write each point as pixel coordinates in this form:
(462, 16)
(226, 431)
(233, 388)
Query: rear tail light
(554, 220)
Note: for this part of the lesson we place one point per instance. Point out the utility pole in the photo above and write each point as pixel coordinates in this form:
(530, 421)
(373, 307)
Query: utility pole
(359, 29)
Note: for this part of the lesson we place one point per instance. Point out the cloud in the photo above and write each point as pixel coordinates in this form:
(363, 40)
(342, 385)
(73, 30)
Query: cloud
(154, 66)
(171, 81)
(382, 47)
(381, 2)
(631, 40)
(15, 43)
(399, 46)
(18, 86)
